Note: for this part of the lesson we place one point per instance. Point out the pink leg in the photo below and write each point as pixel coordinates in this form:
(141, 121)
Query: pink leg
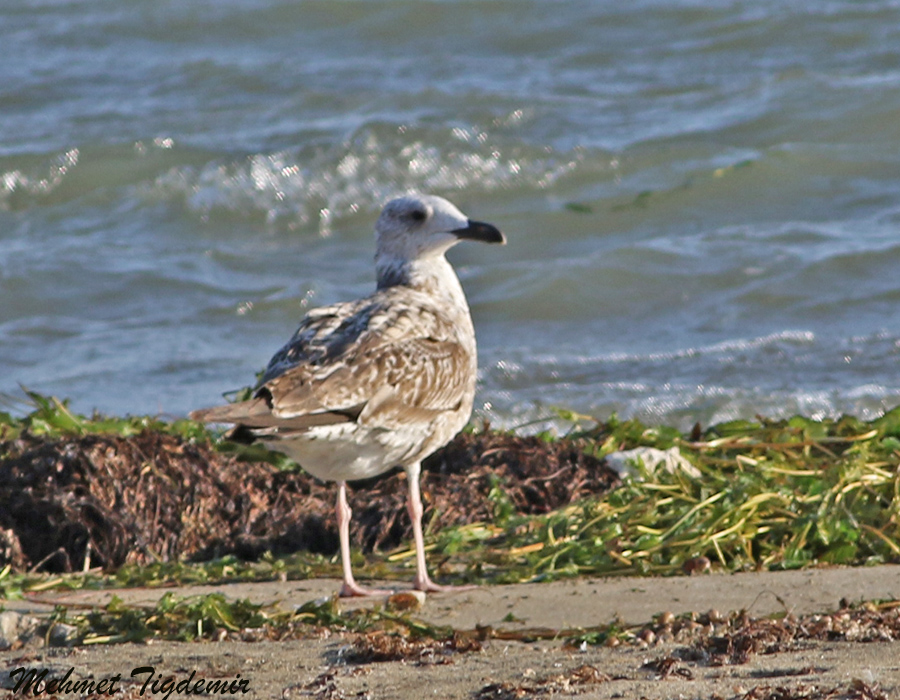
(343, 513)
(422, 581)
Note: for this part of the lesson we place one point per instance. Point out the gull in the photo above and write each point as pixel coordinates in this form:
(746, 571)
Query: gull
(382, 382)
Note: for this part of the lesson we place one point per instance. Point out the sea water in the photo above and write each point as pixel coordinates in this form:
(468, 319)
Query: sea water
(702, 199)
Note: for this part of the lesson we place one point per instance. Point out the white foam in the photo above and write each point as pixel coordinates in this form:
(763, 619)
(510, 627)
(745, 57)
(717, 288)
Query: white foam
(46, 179)
(299, 189)
(726, 348)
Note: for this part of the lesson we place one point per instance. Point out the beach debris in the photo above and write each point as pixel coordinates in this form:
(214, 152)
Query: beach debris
(155, 497)
(696, 565)
(16, 628)
(567, 683)
(856, 690)
(635, 463)
(668, 666)
(405, 601)
(380, 646)
(499, 508)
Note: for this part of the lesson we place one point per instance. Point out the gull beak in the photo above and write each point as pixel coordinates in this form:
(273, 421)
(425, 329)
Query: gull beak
(480, 231)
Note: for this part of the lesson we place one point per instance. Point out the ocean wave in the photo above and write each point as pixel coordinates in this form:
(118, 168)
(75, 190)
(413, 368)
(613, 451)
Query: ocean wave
(637, 379)
(725, 348)
(308, 185)
(40, 179)
(298, 188)
(20, 186)
(682, 405)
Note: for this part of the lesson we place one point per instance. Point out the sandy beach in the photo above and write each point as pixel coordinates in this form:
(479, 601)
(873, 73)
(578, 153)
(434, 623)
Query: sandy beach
(318, 667)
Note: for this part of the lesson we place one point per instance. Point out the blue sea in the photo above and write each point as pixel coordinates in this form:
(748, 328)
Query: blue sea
(702, 199)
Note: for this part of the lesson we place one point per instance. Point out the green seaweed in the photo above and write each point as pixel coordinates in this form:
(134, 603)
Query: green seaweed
(213, 616)
(50, 417)
(773, 494)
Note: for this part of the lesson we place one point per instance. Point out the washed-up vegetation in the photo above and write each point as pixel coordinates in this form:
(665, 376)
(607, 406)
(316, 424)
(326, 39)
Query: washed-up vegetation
(139, 506)
(138, 501)
(574, 681)
(384, 633)
(568, 683)
(771, 495)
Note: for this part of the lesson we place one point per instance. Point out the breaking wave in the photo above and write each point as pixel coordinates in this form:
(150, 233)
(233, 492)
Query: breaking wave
(302, 187)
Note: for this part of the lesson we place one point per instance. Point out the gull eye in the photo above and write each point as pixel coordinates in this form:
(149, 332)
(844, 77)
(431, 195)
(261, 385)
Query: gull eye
(418, 215)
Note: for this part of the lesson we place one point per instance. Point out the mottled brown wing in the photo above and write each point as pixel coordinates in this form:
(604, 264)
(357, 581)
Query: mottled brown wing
(319, 336)
(395, 382)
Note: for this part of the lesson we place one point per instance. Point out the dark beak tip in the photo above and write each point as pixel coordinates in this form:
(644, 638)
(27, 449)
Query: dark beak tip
(480, 231)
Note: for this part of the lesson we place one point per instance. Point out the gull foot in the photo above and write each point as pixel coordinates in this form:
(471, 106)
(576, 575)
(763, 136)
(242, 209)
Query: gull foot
(430, 586)
(354, 590)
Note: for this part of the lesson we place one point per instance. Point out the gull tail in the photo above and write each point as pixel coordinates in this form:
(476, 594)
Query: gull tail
(250, 412)
(254, 420)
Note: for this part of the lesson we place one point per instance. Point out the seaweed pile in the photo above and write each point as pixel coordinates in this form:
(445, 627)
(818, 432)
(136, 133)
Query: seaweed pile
(72, 502)
(103, 492)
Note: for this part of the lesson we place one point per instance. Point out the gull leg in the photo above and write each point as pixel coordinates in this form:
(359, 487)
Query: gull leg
(422, 581)
(342, 510)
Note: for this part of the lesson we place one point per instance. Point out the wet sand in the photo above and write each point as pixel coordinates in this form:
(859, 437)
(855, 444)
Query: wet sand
(507, 669)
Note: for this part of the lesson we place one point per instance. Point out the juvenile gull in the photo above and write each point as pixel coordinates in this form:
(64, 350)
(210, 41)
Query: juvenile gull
(384, 381)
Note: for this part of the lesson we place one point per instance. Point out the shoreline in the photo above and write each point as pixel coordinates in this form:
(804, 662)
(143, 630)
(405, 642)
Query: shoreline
(320, 665)
(566, 603)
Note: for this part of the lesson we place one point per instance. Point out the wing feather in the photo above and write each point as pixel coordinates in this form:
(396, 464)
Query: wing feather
(257, 414)
(382, 361)
(393, 378)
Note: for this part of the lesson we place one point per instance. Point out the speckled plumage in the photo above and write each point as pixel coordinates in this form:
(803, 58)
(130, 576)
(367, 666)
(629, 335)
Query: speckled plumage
(384, 381)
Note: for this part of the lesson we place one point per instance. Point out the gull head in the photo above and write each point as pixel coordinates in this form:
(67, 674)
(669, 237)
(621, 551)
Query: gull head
(418, 227)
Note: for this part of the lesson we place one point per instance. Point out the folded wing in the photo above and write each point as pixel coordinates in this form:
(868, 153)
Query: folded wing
(381, 365)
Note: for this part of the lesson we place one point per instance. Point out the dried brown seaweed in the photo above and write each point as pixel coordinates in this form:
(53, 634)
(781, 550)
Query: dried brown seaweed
(387, 646)
(71, 503)
(567, 683)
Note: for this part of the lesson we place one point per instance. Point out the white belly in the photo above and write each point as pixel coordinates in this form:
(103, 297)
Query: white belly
(347, 451)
